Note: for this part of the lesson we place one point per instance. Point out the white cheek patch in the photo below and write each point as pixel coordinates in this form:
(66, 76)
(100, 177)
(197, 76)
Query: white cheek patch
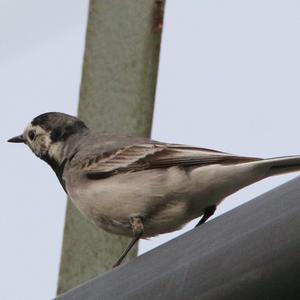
(41, 143)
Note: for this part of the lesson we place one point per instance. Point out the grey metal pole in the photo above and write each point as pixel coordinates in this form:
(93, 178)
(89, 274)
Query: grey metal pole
(117, 95)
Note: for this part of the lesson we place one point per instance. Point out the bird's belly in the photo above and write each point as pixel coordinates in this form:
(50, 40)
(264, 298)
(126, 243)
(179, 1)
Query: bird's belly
(165, 199)
(160, 197)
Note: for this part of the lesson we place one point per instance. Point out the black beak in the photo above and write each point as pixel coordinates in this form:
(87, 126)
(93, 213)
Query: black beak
(17, 139)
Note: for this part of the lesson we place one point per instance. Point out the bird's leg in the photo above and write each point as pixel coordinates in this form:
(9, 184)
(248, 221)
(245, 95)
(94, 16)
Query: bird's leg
(138, 229)
(208, 212)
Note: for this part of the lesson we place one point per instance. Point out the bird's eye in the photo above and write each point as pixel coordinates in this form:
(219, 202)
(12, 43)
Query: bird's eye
(31, 135)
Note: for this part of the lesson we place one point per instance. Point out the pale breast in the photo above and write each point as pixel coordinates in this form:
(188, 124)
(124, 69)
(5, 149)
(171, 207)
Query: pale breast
(159, 196)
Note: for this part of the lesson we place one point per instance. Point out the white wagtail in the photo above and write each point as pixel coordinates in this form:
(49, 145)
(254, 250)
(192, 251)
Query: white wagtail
(139, 187)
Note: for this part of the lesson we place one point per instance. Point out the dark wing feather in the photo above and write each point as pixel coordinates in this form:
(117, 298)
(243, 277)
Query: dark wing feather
(139, 157)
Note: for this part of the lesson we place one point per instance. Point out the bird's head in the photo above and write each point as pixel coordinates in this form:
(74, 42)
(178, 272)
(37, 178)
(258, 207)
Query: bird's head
(47, 133)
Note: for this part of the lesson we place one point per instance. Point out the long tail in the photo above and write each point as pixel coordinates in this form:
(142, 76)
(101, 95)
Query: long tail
(282, 165)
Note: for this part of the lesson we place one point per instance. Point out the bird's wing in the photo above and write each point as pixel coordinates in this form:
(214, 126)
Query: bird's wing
(145, 156)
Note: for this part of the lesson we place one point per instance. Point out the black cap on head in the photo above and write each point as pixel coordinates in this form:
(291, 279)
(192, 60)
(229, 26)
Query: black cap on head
(60, 125)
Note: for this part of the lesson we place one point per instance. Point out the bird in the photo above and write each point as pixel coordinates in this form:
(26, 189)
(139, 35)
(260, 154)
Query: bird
(138, 187)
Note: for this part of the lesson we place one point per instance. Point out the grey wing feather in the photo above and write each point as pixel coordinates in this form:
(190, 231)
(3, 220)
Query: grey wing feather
(145, 156)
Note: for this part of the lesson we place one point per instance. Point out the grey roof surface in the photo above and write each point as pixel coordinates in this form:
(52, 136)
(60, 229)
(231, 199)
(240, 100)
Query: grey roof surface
(251, 252)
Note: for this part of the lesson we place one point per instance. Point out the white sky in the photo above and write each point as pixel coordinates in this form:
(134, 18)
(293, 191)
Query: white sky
(229, 80)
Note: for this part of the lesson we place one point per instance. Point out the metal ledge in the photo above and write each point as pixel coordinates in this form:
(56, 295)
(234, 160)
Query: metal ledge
(251, 252)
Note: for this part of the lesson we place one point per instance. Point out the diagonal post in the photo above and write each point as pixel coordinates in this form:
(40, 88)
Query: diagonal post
(117, 96)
